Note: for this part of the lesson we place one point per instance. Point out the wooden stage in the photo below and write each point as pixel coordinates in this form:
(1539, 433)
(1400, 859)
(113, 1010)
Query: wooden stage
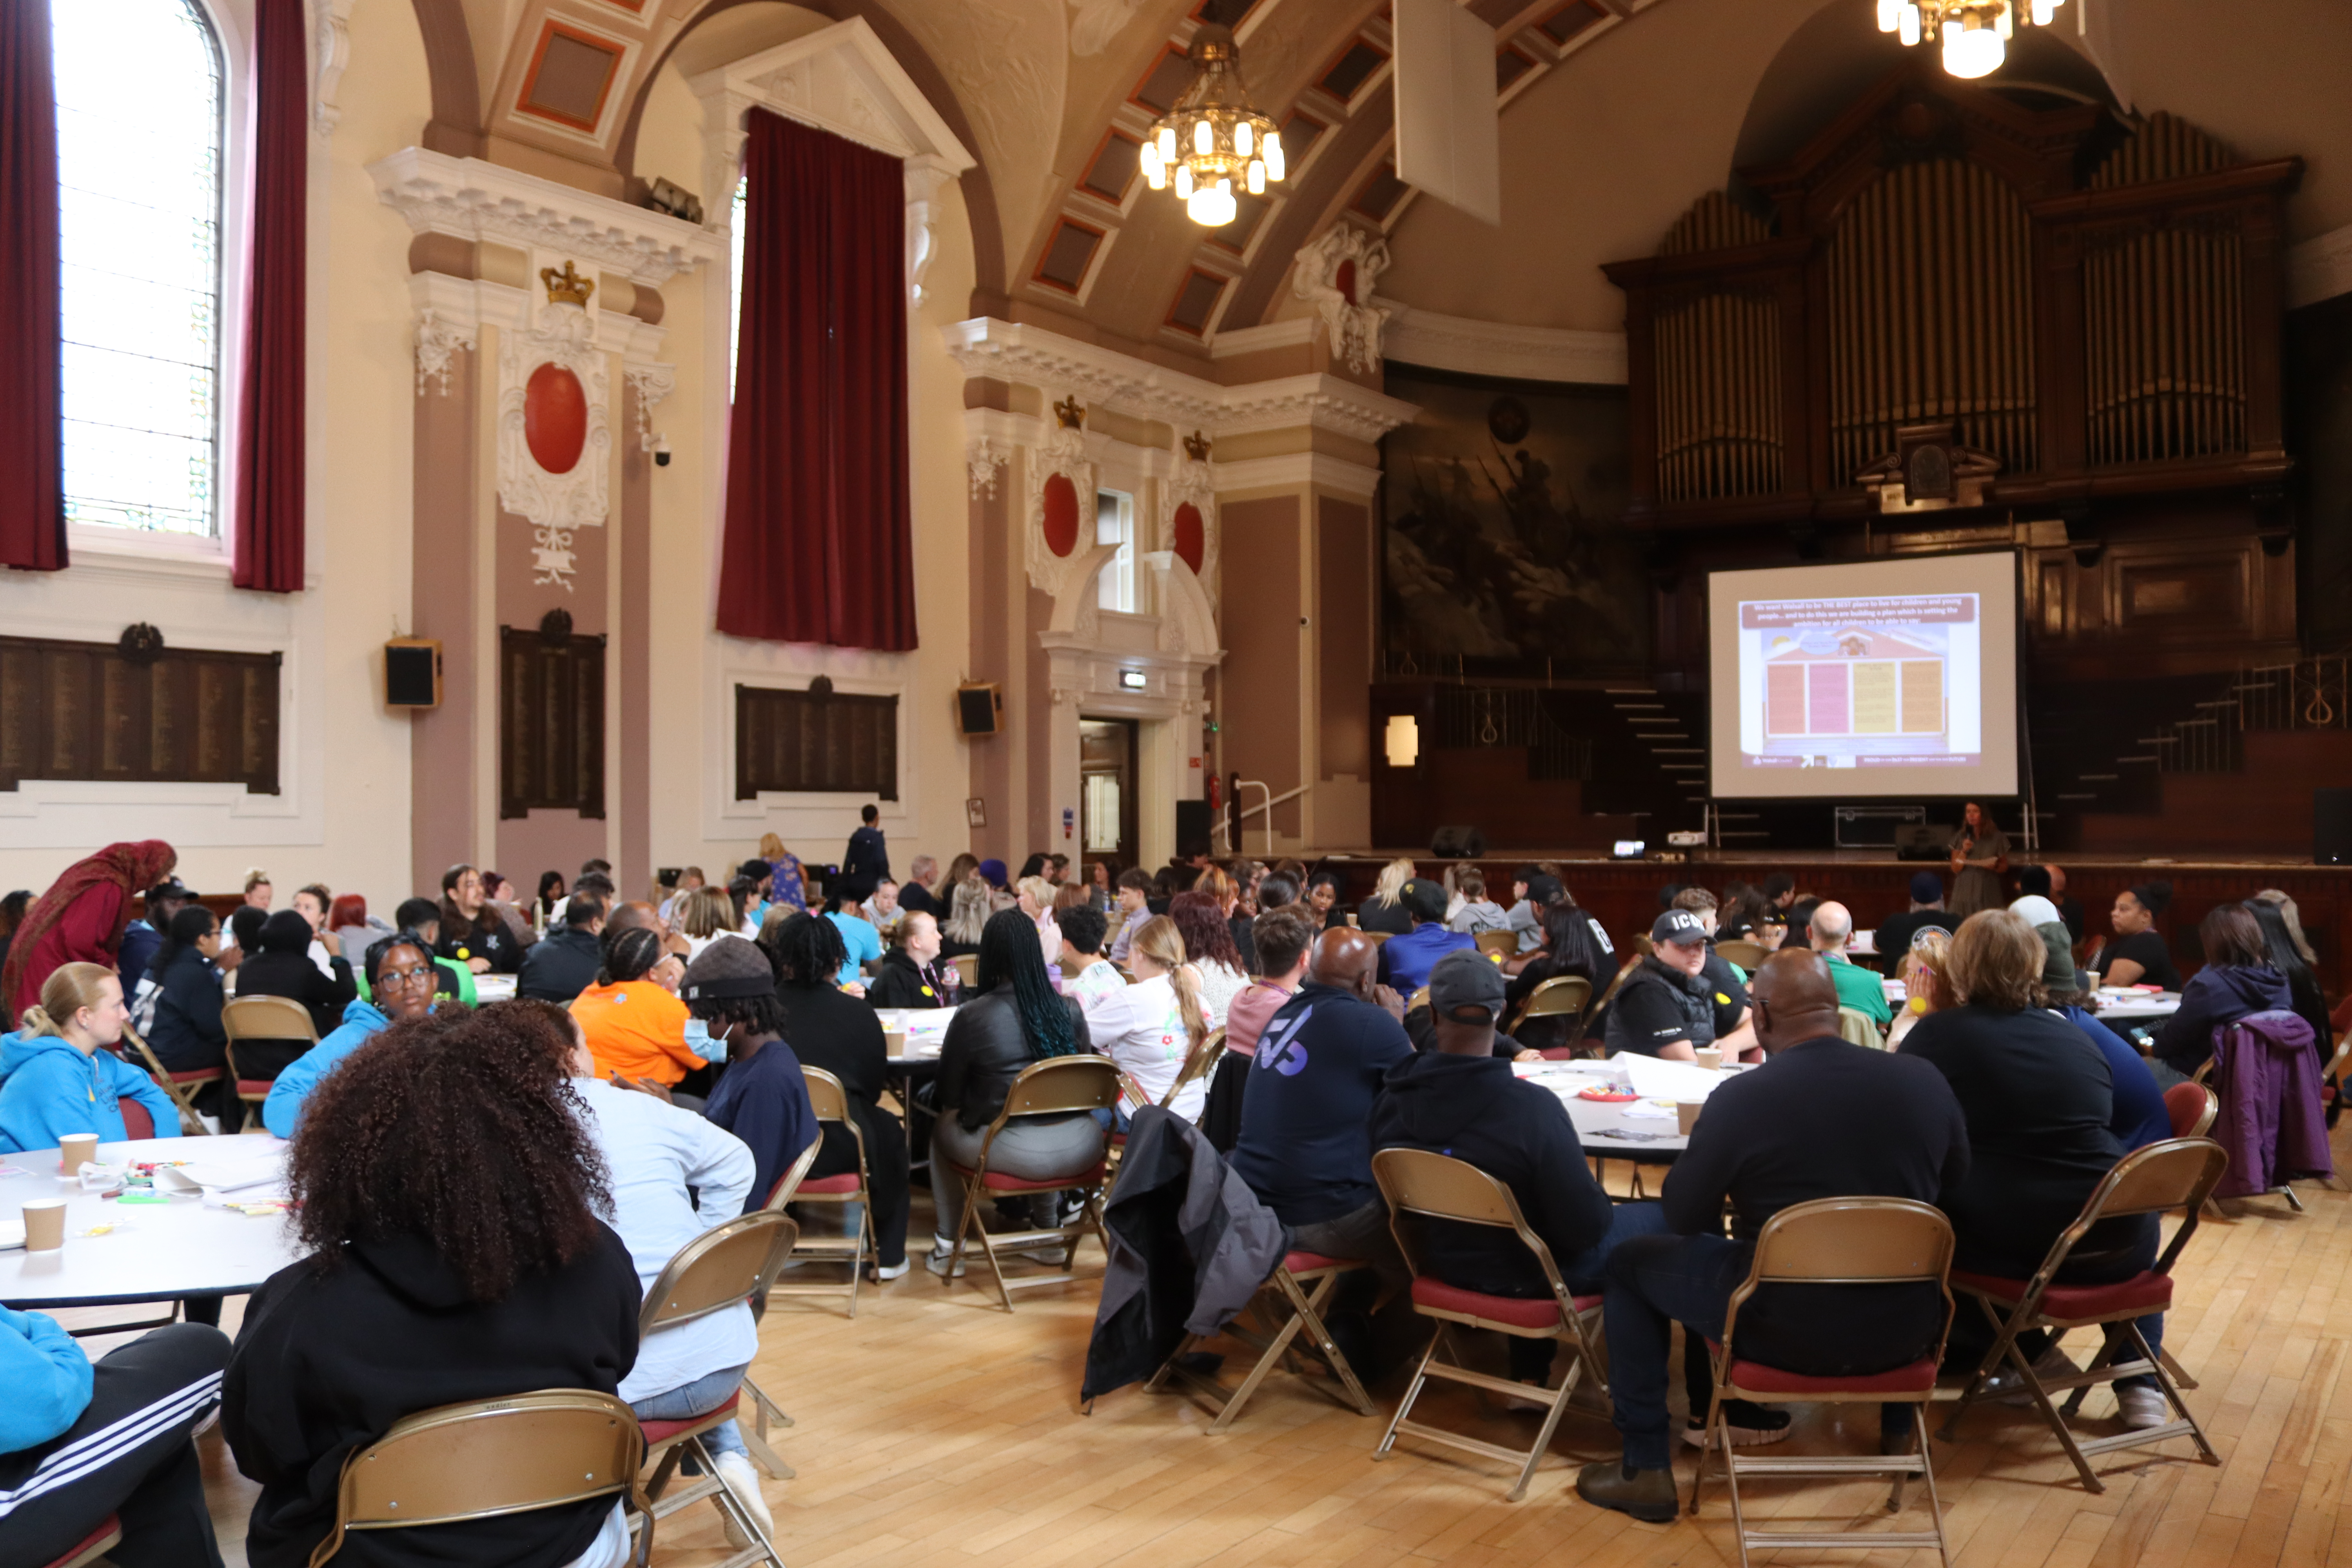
(1623, 894)
(935, 1431)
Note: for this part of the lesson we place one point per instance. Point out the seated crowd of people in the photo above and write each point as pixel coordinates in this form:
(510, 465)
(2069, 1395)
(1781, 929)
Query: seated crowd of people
(484, 1190)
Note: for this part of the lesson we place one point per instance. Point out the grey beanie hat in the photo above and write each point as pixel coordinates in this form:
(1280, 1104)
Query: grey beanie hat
(730, 966)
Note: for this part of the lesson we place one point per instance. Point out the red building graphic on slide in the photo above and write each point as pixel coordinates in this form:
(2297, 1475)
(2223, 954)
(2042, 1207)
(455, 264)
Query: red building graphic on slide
(1853, 680)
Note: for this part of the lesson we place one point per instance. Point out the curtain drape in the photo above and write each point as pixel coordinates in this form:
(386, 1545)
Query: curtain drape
(819, 537)
(266, 518)
(32, 498)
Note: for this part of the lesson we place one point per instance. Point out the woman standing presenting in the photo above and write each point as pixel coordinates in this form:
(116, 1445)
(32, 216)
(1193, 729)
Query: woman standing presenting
(1980, 855)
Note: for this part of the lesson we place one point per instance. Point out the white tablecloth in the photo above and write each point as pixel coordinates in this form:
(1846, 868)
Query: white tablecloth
(154, 1252)
(1606, 1128)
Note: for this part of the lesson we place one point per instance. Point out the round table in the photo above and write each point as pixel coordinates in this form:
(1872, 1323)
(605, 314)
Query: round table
(156, 1252)
(2137, 1007)
(1603, 1127)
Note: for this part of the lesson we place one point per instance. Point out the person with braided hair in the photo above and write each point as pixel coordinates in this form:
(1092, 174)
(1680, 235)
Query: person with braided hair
(447, 1185)
(1015, 1019)
(636, 1029)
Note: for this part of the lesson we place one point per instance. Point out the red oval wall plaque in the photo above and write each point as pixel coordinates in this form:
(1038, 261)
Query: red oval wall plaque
(1191, 535)
(1061, 514)
(554, 418)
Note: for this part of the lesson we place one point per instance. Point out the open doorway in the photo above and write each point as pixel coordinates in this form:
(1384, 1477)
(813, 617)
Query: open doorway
(1107, 790)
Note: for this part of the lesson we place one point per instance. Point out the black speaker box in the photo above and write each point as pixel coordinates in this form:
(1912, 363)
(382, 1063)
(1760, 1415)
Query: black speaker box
(1191, 828)
(976, 708)
(412, 673)
(1922, 841)
(2331, 827)
(1458, 842)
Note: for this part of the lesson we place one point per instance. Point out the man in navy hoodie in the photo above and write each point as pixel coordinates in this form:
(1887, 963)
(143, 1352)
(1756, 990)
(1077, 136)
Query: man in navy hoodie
(1463, 1100)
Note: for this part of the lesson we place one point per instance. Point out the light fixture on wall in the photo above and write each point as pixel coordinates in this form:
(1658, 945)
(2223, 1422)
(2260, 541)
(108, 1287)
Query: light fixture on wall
(1130, 680)
(1974, 33)
(1402, 740)
(1213, 139)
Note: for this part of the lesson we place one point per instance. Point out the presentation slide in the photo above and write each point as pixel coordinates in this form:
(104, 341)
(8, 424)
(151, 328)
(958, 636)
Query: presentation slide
(1876, 678)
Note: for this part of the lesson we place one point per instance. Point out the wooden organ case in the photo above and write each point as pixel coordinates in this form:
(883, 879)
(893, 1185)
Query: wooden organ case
(2084, 315)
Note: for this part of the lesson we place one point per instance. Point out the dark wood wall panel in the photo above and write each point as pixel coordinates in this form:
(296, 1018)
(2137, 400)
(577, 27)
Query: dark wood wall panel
(89, 711)
(550, 723)
(816, 741)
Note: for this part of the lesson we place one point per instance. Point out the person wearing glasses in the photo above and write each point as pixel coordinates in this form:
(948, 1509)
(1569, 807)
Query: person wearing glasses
(400, 979)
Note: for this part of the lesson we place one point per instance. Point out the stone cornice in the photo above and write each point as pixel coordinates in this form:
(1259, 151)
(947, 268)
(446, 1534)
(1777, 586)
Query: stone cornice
(1027, 355)
(1434, 341)
(472, 200)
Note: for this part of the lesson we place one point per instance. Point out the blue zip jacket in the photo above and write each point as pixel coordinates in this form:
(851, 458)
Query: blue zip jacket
(282, 1112)
(48, 1378)
(49, 1088)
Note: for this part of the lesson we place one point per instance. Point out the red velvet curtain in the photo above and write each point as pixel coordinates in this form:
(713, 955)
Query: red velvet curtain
(266, 530)
(819, 540)
(32, 498)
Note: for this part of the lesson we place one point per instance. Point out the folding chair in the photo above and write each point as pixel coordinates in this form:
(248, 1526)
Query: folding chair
(1561, 997)
(1436, 1186)
(1498, 943)
(831, 1103)
(734, 1261)
(2202, 1078)
(1282, 1288)
(252, 1022)
(492, 1456)
(2178, 1173)
(180, 1086)
(1749, 955)
(2193, 1108)
(967, 968)
(1058, 1086)
(1197, 1066)
(93, 1546)
(763, 1409)
(1835, 1241)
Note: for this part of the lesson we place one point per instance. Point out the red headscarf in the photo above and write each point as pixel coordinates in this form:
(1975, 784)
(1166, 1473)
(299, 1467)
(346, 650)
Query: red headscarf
(124, 870)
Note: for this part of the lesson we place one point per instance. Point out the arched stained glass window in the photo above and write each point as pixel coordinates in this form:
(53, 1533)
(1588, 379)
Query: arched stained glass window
(139, 88)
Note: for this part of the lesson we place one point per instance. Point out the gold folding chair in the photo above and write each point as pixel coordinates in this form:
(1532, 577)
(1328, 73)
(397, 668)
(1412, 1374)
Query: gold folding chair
(764, 1409)
(967, 968)
(1282, 1289)
(1561, 997)
(1197, 1066)
(2178, 1173)
(1835, 1241)
(180, 1086)
(492, 1456)
(1379, 937)
(253, 1020)
(1749, 955)
(1427, 1186)
(1058, 1086)
(735, 1261)
(1856, 1027)
(831, 1103)
(1498, 943)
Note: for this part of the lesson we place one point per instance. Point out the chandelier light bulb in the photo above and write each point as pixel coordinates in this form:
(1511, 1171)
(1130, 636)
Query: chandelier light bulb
(1184, 186)
(1889, 15)
(1166, 142)
(1257, 177)
(2044, 11)
(1971, 51)
(1242, 137)
(1204, 137)
(1906, 24)
(1274, 164)
(2003, 24)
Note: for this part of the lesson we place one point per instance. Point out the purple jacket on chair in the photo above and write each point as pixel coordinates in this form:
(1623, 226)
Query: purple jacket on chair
(2273, 1122)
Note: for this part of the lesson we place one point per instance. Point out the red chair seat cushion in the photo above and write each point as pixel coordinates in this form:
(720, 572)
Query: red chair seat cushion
(199, 1075)
(663, 1431)
(1521, 1311)
(2140, 1294)
(998, 1182)
(1754, 1377)
(1312, 1262)
(254, 1088)
(844, 1182)
(106, 1527)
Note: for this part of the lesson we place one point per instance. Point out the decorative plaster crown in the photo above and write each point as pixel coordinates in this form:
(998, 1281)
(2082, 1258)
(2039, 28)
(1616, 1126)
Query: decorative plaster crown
(567, 287)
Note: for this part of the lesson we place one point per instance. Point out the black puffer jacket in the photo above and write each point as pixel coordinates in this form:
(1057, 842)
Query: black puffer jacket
(985, 1049)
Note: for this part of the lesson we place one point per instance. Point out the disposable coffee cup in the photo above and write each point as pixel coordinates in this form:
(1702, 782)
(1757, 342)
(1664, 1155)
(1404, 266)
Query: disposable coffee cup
(1710, 1057)
(1687, 1114)
(75, 1150)
(894, 1042)
(45, 1224)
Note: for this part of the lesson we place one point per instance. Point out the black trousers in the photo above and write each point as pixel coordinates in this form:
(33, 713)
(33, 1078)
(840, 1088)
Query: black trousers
(130, 1455)
(885, 1168)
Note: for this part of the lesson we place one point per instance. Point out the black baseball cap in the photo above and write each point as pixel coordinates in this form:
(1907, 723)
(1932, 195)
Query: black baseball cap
(1425, 900)
(1462, 981)
(1680, 927)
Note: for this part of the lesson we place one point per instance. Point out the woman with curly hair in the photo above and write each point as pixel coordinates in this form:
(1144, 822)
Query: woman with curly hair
(1209, 945)
(837, 1032)
(1015, 1019)
(447, 1188)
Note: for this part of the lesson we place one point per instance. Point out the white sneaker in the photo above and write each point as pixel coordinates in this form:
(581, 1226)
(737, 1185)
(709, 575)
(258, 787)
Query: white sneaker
(938, 1262)
(2142, 1408)
(893, 1270)
(735, 1470)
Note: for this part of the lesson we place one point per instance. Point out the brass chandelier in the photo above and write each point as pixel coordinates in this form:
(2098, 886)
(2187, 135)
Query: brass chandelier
(1213, 139)
(1974, 33)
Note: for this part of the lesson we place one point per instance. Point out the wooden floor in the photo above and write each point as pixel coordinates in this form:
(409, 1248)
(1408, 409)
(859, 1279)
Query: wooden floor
(935, 1429)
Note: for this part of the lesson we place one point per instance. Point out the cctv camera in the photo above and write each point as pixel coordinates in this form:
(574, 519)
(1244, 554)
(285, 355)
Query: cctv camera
(661, 451)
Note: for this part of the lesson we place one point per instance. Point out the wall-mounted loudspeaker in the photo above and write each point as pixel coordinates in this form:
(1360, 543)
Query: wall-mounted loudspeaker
(412, 673)
(1460, 842)
(978, 707)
